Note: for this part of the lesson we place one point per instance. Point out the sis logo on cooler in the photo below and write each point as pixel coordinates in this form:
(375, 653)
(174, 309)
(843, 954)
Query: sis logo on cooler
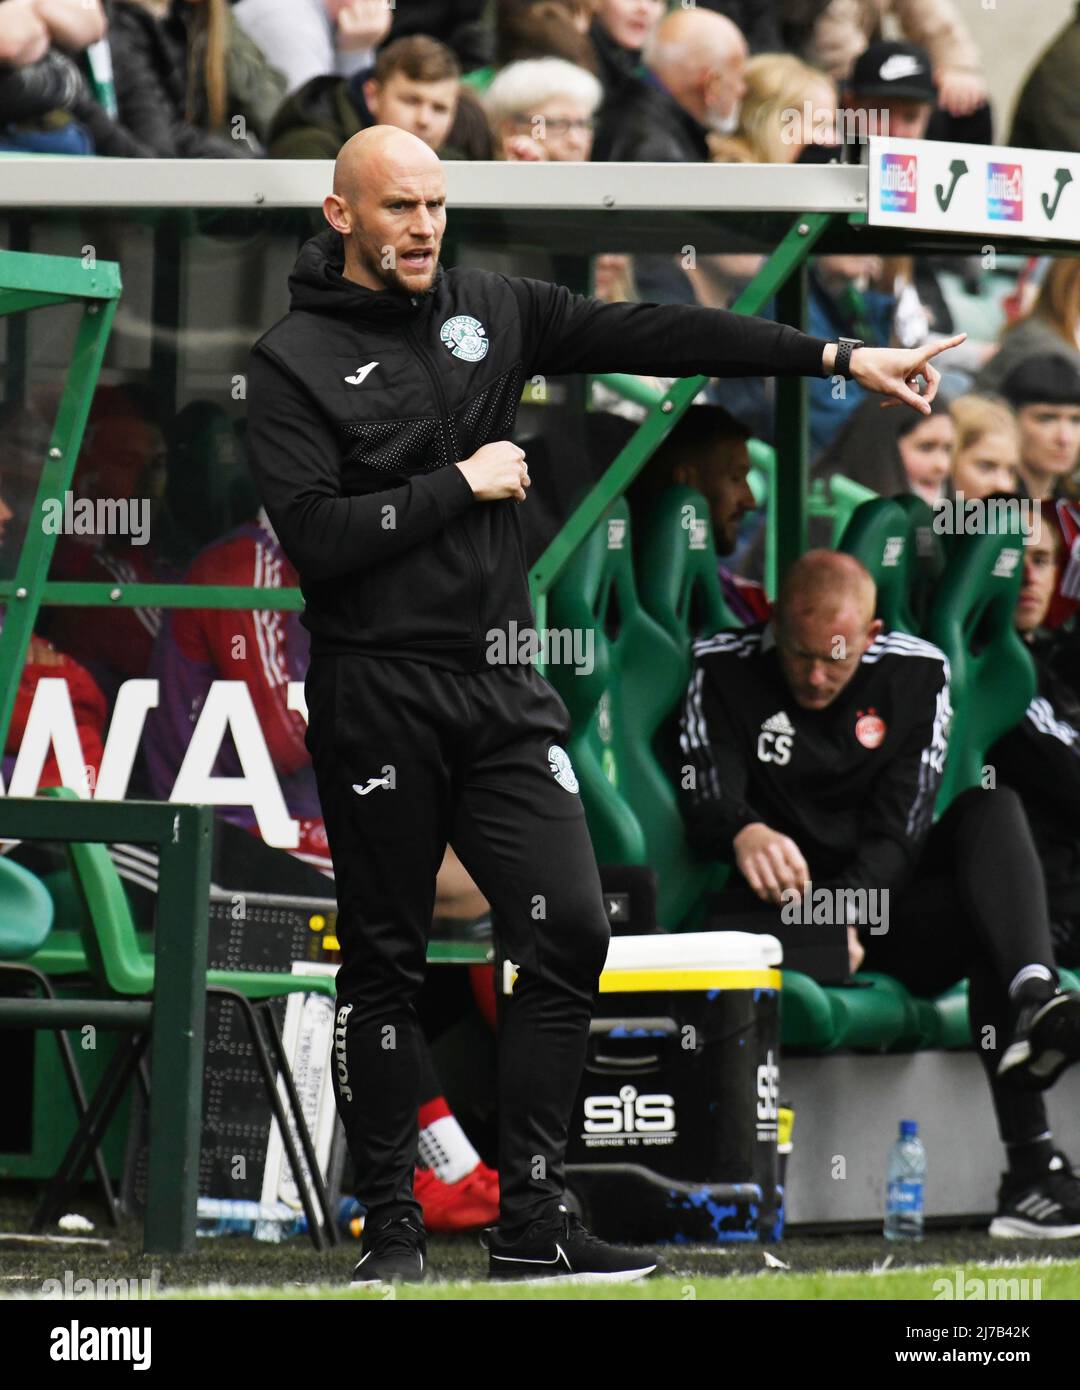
(562, 770)
(465, 337)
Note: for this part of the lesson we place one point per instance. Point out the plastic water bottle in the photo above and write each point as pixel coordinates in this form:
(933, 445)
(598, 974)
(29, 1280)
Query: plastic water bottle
(906, 1180)
(232, 1216)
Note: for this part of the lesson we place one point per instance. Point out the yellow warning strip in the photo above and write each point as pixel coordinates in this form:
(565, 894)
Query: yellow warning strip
(640, 981)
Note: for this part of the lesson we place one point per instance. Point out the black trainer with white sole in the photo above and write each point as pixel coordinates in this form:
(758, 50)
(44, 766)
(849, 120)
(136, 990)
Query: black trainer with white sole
(561, 1249)
(1045, 1040)
(395, 1252)
(1044, 1208)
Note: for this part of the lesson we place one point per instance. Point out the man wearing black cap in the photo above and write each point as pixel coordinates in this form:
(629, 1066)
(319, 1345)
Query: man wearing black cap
(1045, 393)
(892, 87)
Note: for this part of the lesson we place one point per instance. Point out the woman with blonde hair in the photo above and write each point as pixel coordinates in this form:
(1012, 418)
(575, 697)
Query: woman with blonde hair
(788, 105)
(986, 448)
(1051, 327)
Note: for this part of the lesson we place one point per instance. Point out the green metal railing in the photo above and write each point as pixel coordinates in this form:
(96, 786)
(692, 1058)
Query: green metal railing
(785, 268)
(30, 281)
(177, 1018)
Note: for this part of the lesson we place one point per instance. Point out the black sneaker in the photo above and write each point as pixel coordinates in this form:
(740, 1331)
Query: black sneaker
(394, 1253)
(1045, 1040)
(561, 1249)
(1045, 1208)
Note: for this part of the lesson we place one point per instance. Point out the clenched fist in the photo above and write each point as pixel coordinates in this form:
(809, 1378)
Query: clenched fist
(497, 470)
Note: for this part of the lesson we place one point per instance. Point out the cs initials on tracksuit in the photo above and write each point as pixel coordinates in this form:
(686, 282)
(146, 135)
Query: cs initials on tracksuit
(775, 740)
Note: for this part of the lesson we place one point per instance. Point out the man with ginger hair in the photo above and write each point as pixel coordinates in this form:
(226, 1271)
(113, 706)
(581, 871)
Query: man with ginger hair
(380, 415)
(812, 751)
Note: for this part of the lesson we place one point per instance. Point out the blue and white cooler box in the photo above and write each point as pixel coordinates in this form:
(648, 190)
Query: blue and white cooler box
(673, 1136)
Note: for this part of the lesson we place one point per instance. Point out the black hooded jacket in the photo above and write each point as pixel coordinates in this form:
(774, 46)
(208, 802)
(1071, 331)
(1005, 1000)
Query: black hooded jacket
(361, 401)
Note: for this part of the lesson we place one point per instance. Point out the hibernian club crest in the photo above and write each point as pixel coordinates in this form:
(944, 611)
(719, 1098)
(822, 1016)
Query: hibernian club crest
(465, 337)
(560, 765)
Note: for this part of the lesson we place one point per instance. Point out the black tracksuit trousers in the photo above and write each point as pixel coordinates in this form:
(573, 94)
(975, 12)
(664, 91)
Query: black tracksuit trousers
(976, 907)
(466, 760)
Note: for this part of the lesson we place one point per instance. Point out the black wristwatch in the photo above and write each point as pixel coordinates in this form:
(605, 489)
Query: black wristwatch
(844, 348)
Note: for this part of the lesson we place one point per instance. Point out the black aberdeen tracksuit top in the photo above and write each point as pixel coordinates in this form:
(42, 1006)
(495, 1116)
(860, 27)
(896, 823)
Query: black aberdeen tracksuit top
(853, 784)
(395, 556)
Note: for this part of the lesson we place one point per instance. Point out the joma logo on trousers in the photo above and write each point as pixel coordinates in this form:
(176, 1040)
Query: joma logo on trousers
(339, 1051)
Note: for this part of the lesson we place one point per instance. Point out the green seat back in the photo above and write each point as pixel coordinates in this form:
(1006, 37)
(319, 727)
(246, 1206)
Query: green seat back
(595, 596)
(116, 957)
(26, 911)
(678, 578)
(925, 556)
(993, 677)
(681, 590)
(877, 536)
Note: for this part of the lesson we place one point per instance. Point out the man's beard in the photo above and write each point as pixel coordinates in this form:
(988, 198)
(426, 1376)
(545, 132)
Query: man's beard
(724, 125)
(390, 275)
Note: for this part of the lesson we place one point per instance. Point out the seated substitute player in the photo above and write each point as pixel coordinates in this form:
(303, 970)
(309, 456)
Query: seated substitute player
(707, 452)
(816, 745)
(380, 416)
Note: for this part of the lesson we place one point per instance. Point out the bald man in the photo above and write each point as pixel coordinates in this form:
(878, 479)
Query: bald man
(812, 750)
(380, 416)
(694, 82)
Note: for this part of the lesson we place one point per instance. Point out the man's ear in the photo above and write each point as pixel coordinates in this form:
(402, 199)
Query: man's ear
(874, 631)
(370, 90)
(334, 212)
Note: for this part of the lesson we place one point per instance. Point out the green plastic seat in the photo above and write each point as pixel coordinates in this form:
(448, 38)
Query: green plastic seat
(877, 536)
(26, 911)
(952, 1010)
(878, 1014)
(595, 596)
(678, 580)
(116, 956)
(992, 674)
(925, 556)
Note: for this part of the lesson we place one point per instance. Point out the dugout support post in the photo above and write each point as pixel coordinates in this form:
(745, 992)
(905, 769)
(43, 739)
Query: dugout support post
(182, 835)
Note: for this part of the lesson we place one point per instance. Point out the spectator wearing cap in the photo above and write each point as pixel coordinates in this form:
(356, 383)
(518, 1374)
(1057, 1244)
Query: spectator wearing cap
(414, 84)
(1047, 115)
(891, 92)
(1051, 327)
(845, 28)
(694, 83)
(542, 108)
(1045, 393)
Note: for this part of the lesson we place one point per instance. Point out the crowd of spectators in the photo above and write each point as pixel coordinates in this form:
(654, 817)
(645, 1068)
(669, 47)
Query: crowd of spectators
(774, 81)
